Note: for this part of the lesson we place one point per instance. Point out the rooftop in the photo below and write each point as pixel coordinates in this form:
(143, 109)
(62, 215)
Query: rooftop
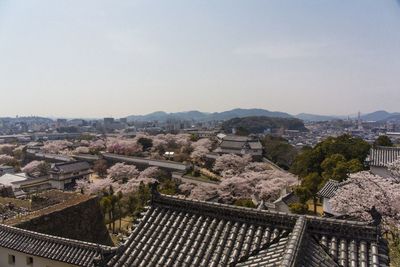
(178, 231)
(382, 156)
(60, 249)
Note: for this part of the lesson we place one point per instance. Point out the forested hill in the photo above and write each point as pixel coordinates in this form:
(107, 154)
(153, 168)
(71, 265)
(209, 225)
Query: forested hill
(258, 124)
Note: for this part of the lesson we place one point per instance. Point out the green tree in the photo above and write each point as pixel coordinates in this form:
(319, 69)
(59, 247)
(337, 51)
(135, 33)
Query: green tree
(309, 188)
(146, 143)
(298, 208)
(248, 203)
(310, 159)
(279, 151)
(105, 204)
(383, 140)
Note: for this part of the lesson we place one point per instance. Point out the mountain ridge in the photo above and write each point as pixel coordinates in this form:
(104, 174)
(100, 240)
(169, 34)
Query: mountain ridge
(196, 115)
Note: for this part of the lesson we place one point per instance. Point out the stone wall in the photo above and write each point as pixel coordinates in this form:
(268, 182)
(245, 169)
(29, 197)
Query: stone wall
(81, 221)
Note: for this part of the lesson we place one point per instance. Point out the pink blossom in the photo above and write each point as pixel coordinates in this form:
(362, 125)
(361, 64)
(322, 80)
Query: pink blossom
(7, 149)
(362, 191)
(151, 172)
(394, 168)
(229, 165)
(54, 147)
(203, 192)
(7, 160)
(121, 172)
(96, 186)
(266, 185)
(133, 184)
(97, 145)
(35, 168)
(81, 150)
(124, 147)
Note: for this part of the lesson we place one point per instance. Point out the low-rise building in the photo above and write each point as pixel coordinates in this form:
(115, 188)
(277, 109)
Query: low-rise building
(63, 175)
(326, 194)
(379, 159)
(240, 145)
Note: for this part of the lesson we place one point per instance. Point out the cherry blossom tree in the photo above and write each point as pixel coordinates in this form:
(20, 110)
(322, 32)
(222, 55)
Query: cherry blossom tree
(204, 191)
(151, 172)
(362, 191)
(122, 172)
(84, 143)
(200, 149)
(266, 185)
(97, 146)
(37, 168)
(394, 168)
(123, 147)
(160, 144)
(8, 160)
(186, 188)
(145, 177)
(96, 186)
(7, 149)
(229, 165)
(133, 184)
(55, 147)
(81, 150)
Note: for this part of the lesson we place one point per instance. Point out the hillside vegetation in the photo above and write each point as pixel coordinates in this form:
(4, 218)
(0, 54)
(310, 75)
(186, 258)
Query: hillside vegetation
(257, 124)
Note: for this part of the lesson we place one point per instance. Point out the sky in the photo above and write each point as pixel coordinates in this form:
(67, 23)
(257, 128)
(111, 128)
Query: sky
(96, 58)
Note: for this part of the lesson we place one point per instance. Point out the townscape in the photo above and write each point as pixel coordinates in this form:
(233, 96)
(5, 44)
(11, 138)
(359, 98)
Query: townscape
(184, 133)
(149, 181)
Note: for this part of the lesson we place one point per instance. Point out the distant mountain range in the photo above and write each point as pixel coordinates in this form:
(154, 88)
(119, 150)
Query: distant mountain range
(194, 115)
(203, 116)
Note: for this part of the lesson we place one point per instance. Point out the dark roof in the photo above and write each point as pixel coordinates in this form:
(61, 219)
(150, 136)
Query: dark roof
(69, 167)
(289, 198)
(255, 145)
(182, 232)
(236, 138)
(65, 250)
(382, 156)
(232, 144)
(329, 189)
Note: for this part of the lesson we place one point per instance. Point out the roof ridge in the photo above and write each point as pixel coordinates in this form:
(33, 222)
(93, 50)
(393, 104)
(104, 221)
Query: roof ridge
(168, 199)
(295, 241)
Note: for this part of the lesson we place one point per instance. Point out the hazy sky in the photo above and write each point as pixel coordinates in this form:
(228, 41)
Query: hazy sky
(81, 58)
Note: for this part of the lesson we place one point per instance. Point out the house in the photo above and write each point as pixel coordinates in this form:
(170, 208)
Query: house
(240, 145)
(326, 194)
(6, 169)
(283, 203)
(379, 158)
(20, 247)
(63, 175)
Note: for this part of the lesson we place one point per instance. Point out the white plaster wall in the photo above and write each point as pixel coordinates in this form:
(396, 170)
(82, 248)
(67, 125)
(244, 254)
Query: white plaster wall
(20, 260)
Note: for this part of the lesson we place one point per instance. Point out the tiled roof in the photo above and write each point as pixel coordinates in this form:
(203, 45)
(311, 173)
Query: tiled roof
(289, 198)
(232, 144)
(70, 167)
(382, 156)
(329, 189)
(255, 145)
(55, 248)
(236, 138)
(182, 232)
